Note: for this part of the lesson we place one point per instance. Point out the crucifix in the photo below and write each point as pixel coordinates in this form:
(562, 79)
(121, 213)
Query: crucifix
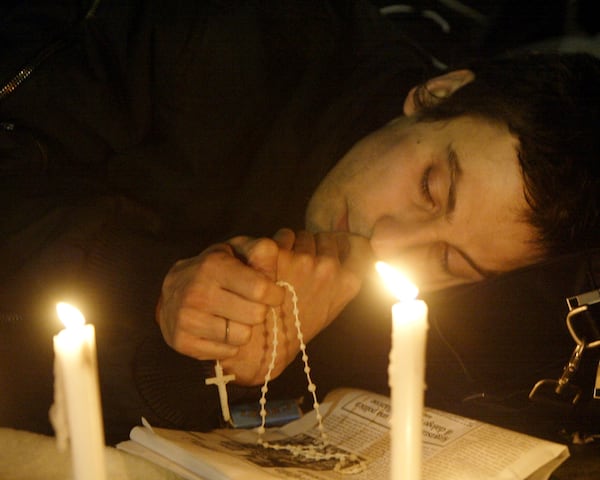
(221, 382)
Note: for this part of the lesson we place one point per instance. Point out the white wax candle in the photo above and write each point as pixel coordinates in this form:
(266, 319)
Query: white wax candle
(406, 376)
(75, 357)
(407, 384)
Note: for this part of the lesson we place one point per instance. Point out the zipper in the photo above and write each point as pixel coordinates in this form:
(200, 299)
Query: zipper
(27, 70)
(12, 85)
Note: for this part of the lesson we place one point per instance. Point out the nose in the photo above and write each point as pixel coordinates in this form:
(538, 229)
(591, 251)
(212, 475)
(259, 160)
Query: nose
(391, 238)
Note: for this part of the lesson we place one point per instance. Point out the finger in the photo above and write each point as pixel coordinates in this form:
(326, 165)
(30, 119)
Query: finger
(285, 238)
(230, 332)
(259, 253)
(212, 284)
(305, 243)
(237, 243)
(327, 245)
(227, 248)
(203, 349)
(245, 282)
(214, 328)
(232, 298)
(262, 255)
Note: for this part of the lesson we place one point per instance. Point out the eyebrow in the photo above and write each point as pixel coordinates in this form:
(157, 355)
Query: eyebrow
(455, 174)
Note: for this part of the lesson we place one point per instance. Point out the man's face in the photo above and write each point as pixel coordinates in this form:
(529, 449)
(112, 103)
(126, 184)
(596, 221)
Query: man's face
(443, 201)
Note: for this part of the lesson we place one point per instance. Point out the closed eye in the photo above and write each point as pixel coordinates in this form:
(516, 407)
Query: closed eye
(444, 259)
(425, 189)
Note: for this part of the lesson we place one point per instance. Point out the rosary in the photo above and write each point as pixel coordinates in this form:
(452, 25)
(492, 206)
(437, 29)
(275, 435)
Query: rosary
(313, 452)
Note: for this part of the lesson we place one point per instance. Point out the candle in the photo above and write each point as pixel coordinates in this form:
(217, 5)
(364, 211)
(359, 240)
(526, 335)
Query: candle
(77, 394)
(406, 376)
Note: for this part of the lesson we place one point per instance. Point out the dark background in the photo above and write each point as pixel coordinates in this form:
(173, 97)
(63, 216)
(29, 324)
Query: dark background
(451, 30)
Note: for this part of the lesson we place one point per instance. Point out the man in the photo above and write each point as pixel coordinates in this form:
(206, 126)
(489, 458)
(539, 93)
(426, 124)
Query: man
(170, 128)
(422, 192)
(453, 195)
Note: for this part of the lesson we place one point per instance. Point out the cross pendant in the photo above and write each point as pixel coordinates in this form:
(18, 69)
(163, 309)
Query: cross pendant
(221, 382)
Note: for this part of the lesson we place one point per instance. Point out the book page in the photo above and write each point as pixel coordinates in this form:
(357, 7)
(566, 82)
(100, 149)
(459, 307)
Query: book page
(357, 426)
(456, 448)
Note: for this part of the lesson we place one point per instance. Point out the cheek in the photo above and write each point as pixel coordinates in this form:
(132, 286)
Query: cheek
(391, 188)
(381, 178)
(371, 200)
(371, 157)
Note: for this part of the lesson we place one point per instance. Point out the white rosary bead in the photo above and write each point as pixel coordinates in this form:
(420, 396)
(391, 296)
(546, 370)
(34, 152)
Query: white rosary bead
(311, 452)
(312, 388)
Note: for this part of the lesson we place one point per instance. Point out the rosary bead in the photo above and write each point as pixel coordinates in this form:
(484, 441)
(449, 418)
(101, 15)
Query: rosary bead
(308, 451)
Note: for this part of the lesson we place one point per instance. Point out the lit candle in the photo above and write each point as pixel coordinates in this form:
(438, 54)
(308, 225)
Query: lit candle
(406, 376)
(76, 379)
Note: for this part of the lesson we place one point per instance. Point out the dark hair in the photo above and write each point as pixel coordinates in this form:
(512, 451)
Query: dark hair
(551, 103)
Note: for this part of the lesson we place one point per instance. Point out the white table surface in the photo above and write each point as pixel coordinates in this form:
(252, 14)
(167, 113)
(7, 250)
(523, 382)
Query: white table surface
(30, 456)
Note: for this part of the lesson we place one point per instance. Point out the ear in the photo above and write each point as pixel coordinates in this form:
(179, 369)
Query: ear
(437, 89)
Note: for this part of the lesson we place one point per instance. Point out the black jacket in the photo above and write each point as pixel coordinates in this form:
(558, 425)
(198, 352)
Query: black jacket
(146, 132)
(151, 130)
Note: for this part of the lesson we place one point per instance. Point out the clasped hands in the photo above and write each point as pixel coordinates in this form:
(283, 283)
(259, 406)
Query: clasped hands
(218, 304)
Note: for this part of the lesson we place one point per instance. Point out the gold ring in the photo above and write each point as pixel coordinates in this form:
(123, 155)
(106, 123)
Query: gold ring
(226, 338)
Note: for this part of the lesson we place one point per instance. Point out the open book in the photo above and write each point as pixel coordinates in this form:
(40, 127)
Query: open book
(357, 426)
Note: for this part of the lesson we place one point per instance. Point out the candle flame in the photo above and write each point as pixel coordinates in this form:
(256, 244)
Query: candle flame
(400, 286)
(69, 315)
